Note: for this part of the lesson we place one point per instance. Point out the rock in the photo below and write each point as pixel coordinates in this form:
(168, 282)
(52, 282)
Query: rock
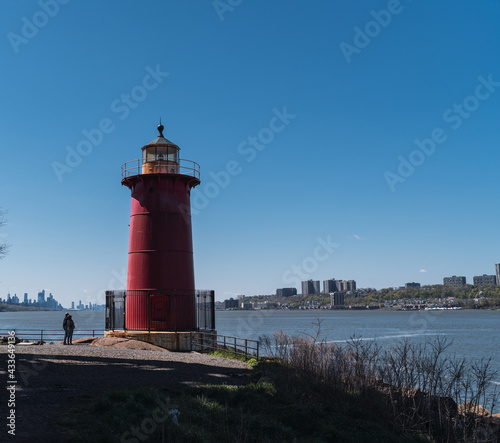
(83, 340)
(473, 408)
(125, 343)
(5, 340)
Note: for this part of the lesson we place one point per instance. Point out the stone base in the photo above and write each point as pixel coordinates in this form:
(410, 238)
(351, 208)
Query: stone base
(173, 341)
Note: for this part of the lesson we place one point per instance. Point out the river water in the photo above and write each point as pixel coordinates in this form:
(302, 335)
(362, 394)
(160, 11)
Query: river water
(475, 333)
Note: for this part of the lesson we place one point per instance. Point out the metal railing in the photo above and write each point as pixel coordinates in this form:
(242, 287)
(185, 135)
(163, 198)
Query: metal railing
(209, 342)
(200, 341)
(168, 310)
(205, 310)
(115, 310)
(48, 335)
(184, 167)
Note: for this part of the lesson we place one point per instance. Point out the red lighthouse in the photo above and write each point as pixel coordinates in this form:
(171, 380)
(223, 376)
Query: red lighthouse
(160, 280)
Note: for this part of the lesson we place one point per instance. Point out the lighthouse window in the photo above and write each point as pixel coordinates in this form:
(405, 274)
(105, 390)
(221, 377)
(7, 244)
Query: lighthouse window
(149, 154)
(151, 190)
(173, 154)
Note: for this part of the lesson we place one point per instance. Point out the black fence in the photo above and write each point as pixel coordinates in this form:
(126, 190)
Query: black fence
(115, 310)
(160, 310)
(200, 341)
(50, 335)
(205, 310)
(210, 342)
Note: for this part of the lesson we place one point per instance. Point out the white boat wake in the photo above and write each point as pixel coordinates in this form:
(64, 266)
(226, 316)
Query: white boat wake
(386, 337)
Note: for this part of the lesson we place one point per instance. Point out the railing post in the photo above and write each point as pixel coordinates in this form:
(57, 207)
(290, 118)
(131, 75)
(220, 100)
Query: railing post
(175, 310)
(212, 309)
(112, 312)
(258, 349)
(125, 311)
(205, 322)
(150, 308)
(197, 307)
(41, 336)
(246, 347)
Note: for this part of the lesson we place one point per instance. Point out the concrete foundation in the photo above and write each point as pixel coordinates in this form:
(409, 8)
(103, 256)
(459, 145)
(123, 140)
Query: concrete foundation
(173, 341)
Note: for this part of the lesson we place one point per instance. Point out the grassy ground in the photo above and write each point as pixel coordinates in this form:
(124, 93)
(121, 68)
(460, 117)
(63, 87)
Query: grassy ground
(276, 404)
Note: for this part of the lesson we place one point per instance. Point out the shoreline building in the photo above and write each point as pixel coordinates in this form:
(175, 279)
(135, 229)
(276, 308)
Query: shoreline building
(286, 292)
(346, 285)
(412, 285)
(310, 287)
(230, 303)
(497, 269)
(332, 285)
(454, 282)
(337, 299)
(480, 280)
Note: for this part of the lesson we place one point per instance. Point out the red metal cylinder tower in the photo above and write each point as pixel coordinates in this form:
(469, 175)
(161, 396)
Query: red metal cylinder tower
(160, 280)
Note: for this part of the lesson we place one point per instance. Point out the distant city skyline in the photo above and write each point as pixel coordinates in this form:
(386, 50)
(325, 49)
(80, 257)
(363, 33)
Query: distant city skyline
(50, 302)
(322, 151)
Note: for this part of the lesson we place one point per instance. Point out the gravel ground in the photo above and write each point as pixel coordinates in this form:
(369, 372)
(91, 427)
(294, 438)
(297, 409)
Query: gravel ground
(51, 380)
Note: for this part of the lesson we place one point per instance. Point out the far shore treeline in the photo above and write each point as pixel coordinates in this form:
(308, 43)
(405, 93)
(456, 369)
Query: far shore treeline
(467, 297)
(4, 307)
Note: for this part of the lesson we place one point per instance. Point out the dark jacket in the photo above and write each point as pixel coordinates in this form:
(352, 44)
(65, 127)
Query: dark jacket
(68, 324)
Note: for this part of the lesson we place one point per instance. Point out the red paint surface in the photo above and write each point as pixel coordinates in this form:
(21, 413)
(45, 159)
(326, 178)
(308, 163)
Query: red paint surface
(161, 252)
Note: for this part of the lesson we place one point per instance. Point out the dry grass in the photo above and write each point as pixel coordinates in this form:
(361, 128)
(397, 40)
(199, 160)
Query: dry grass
(423, 387)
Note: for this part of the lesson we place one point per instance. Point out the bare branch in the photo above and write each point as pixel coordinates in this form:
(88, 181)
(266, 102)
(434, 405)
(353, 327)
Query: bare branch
(3, 246)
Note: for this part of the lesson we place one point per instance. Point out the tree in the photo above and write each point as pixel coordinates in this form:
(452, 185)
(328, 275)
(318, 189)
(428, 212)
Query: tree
(3, 246)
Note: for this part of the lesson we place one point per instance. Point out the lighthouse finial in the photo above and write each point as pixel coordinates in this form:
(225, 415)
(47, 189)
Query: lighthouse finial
(160, 128)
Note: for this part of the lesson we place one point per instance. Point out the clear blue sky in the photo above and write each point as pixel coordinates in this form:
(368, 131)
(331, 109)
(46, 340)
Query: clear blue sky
(353, 94)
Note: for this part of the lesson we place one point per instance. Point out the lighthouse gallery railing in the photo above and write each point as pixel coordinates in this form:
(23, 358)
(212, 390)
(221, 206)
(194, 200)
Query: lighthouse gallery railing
(184, 167)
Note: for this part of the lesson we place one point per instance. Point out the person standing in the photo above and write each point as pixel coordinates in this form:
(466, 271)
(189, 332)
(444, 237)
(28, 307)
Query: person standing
(65, 322)
(70, 326)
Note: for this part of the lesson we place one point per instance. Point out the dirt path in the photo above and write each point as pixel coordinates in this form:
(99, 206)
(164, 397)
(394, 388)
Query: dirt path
(51, 379)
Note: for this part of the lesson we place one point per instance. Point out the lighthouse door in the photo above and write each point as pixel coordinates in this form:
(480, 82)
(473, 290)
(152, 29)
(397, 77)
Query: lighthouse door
(159, 309)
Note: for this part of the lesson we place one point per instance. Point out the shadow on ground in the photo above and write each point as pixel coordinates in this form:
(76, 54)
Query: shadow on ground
(50, 387)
